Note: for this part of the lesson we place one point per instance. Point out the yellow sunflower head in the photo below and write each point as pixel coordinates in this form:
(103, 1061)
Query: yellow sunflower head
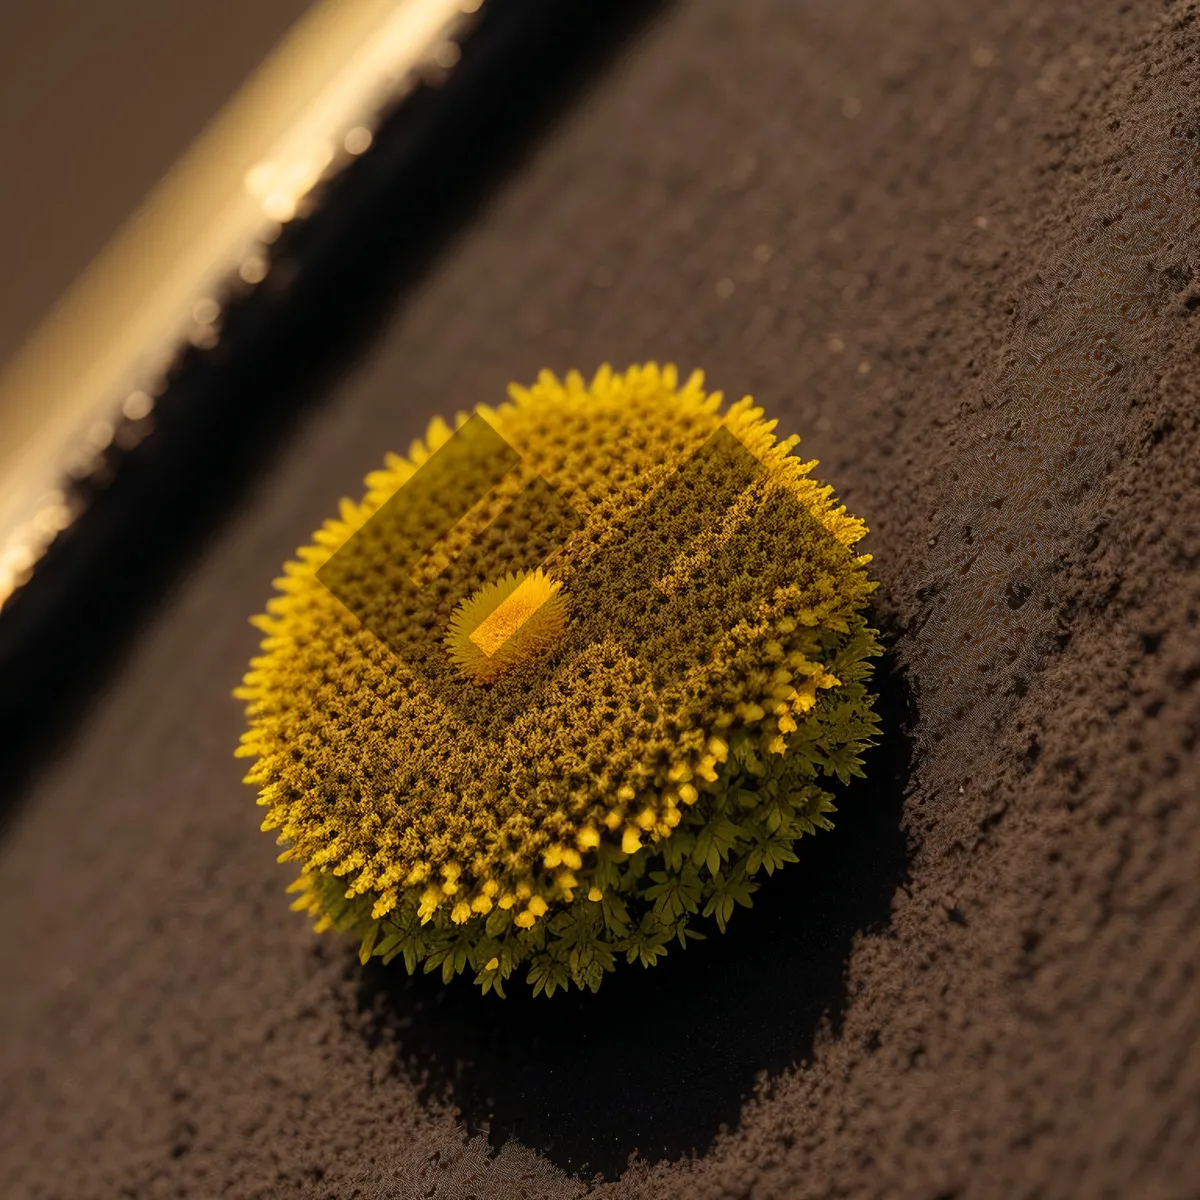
(563, 682)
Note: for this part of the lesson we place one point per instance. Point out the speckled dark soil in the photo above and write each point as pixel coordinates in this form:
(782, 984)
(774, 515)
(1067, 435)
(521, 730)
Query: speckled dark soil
(955, 245)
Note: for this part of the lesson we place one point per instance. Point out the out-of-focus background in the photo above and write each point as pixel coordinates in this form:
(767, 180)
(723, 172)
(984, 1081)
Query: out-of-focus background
(96, 103)
(981, 984)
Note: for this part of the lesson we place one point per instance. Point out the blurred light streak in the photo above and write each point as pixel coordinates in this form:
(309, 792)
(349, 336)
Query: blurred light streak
(101, 356)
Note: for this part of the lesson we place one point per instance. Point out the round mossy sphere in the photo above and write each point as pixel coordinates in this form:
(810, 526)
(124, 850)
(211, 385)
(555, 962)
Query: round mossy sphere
(563, 682)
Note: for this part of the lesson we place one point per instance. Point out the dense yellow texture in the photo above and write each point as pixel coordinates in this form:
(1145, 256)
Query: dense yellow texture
(506, 830)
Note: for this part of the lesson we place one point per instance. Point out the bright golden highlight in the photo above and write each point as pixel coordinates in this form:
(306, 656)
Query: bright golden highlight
(515, 620)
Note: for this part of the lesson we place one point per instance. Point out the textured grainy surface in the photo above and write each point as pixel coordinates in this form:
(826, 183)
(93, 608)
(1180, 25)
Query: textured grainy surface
(855, 212)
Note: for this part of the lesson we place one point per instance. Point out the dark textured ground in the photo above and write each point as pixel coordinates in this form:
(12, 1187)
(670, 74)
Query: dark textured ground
(887, 221)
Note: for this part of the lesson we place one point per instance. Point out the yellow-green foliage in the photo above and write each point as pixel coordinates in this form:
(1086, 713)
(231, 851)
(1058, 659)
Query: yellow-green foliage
(650, 779)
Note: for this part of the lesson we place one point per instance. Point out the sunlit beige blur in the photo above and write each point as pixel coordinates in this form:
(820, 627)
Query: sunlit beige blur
(101, 355)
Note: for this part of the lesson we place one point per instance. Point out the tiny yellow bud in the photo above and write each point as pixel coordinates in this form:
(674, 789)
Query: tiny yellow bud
(625, 793)
(595, 894)
(613, 820)
(688, 793)
(631, 840)
(492, 964)
(429, 901)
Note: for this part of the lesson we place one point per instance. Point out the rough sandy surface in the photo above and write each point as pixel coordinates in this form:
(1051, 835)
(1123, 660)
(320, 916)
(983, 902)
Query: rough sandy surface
(894, 224)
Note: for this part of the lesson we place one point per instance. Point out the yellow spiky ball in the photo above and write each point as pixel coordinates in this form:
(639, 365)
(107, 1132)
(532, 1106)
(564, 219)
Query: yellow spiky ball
(565, 699)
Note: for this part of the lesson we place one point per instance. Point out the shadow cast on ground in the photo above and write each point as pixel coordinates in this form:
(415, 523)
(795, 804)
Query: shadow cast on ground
(658, 1060)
